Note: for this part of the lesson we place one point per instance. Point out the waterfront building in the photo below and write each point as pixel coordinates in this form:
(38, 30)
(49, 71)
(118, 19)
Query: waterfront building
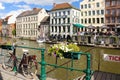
(62, 18)
(92, 13)
(28, 21)
(44, 28)
(112, 13)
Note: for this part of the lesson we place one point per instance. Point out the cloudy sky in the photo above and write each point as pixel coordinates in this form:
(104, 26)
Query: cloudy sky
(15, 7)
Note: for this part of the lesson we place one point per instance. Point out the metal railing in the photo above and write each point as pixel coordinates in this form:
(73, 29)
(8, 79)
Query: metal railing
(43, 63)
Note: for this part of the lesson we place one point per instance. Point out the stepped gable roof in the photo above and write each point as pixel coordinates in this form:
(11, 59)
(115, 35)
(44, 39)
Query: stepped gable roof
(62, 6)
(34, 11)
(46, 19)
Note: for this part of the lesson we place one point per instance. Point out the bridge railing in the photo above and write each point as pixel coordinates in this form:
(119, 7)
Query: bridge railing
(43, 63)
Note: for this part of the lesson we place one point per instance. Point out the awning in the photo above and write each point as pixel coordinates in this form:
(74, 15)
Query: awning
(78, 25)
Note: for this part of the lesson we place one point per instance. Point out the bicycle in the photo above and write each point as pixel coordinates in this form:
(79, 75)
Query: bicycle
(27, 65)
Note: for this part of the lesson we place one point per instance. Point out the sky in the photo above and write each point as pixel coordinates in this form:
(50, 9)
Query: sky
(15, 7)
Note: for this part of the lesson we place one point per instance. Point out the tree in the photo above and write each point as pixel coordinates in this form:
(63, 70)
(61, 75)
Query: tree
(14, 32)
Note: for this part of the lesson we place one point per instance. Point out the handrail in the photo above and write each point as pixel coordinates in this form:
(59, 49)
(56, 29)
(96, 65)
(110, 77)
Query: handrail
(43, 63)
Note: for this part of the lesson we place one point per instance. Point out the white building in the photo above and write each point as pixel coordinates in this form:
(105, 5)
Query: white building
(62, 18)
(92, 12)
(28, 21)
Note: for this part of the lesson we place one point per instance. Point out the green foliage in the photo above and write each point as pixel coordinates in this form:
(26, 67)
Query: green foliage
(60, 49)
(14, 32)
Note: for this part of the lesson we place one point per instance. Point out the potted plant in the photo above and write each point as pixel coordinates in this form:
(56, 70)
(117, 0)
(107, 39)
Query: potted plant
(64, 50)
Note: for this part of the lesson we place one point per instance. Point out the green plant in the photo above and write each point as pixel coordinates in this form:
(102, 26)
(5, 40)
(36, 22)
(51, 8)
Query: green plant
(62, 48)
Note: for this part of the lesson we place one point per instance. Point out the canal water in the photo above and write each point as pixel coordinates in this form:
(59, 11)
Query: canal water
(61, 74)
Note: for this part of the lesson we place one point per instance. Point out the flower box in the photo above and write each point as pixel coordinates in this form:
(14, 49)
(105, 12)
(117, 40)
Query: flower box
(72, 55)
(8, 47)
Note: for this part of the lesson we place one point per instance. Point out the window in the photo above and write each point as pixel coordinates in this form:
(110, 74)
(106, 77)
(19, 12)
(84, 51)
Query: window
(98, 4)
(107, 4)
(63, 12)
(118, 19)
(55, 28)
(113, 2)
(68, 12)
(55, 13)
(113, 12)
(89, 5)
(81, 6)
(52, 29)
(85, 6)
(98, 13)
(93, 20)
(98, 20)
(85, 20)
(89, 20)
(102, 20)
(108, 20)
(85, 13)
(108, 11)
(59, 21)
(93, 12)
(68, 20)
(59, 13)
(113, 19)
(118, 2)
(68, 28)
(102, 12)
(81, 13)
(63, 20)
(59, 29)
(63, 28)
(89, 13)
(82, 21)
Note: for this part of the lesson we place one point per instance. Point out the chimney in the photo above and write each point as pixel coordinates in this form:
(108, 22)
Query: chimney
(54, 4)
(34, 8)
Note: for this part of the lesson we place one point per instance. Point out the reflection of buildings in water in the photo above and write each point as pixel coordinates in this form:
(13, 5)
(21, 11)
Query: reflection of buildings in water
(41, 45)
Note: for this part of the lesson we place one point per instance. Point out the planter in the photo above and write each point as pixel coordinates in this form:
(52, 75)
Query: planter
(8, 47)
(70, 55)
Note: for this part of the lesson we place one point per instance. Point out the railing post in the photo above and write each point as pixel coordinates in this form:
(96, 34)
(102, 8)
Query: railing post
(43, 63)
(15, 61)
(88, 70)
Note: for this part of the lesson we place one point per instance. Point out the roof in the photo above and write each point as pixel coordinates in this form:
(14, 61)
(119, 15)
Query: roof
(34, 11)
(62, 6)
(46, 19)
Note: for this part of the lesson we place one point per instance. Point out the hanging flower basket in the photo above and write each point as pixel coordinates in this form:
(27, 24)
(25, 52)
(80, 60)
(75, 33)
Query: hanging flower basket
(64, 50)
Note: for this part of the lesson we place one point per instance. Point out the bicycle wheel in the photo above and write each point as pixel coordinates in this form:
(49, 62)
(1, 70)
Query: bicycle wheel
(8, 63)
(29, 70)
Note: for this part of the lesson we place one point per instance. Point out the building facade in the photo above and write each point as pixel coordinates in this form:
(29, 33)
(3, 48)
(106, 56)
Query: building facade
(62, 18)
(28, 21)
(92, 12)
(112, 13)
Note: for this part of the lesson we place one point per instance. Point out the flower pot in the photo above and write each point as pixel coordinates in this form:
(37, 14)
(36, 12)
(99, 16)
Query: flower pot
(72, 55)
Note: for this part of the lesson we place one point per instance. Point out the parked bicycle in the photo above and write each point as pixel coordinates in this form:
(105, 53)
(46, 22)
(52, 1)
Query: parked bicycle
(27, 65)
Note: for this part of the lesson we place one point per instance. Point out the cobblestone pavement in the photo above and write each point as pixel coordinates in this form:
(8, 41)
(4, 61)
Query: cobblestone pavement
(5, 75)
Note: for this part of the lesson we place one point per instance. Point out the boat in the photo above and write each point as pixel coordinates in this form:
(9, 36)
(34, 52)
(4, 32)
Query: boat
(41, 40)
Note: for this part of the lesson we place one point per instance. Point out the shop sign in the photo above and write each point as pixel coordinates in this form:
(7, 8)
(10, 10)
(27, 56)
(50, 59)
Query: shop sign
(114, 58)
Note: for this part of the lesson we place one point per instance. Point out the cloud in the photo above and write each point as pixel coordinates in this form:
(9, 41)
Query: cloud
(23, 6)
(38, 2)
(1, 6)
(15, 13)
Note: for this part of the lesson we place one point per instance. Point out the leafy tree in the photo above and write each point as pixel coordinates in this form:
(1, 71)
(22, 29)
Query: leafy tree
(14, 32)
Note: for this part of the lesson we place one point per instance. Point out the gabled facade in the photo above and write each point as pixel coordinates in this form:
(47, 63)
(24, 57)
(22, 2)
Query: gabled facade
(62, 18)
(28, 21)
(92, 13)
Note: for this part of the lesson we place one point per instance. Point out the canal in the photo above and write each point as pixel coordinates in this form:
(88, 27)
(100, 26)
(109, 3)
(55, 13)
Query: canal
(61, 74)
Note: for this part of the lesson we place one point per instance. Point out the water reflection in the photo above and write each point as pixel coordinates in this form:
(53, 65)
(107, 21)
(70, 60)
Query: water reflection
(62, 74)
